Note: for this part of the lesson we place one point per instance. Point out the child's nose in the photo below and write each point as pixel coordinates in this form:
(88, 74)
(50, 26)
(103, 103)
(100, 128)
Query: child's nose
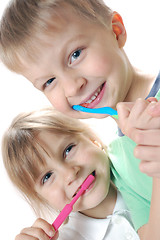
(70, 175)
(73, 86)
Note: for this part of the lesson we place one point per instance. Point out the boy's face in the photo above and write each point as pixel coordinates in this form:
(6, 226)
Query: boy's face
(69, 161)
(81, 63)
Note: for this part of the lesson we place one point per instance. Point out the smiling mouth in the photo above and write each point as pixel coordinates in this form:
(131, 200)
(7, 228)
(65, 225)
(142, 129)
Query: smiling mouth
(94, 174)
(93, 98)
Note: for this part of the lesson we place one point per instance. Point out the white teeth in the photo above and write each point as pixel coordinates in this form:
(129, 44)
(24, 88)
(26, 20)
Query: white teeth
(89, 101)
(94, 96)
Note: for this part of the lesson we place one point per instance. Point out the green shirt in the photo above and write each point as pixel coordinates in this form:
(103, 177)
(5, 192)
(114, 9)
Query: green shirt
(135, 186)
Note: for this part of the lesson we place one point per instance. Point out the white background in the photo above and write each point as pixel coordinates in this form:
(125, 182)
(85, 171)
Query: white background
(142, 21)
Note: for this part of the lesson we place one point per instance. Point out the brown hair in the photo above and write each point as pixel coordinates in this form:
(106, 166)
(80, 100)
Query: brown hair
(23, 156)
(25, 22)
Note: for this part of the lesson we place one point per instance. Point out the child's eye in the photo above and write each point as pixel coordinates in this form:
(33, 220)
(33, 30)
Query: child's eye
(75, 55)
(49, 82)
(67, 150)
(46, 177)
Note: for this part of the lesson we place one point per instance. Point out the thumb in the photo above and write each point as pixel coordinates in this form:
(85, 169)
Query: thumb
(124, 109)
(55, 236)
(154, 108)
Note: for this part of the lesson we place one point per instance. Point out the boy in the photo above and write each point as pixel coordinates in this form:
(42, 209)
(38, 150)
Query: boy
(73, 52)
(47, 157)
(88, 67)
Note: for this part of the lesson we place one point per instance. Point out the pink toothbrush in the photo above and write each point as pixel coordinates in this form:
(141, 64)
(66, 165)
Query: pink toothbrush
(68, 208)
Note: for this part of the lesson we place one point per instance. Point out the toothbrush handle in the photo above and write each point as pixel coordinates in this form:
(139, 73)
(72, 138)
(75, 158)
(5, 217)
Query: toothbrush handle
(62, 216)
(69, 207)
(103, 110)
(66, 210)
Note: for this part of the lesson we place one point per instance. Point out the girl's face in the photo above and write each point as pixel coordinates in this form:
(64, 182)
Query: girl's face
(81, 63)
(69, 161)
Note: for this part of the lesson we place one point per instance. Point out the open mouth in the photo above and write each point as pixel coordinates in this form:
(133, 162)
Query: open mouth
(95, 98)
(94, 174)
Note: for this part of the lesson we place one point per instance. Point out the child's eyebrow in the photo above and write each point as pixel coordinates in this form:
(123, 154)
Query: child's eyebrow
(76, 38)
(64, 140)
(67, 139)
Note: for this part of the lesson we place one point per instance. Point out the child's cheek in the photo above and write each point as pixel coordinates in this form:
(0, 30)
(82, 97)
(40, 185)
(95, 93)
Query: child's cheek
(98, 66)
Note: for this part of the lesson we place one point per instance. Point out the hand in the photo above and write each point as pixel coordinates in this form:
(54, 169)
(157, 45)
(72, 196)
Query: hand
(136, 123)
(136, 115)
(40, 230)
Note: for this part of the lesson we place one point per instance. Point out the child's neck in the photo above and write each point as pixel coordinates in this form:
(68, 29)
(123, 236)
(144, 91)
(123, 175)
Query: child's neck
(106, 207)
(141, 85)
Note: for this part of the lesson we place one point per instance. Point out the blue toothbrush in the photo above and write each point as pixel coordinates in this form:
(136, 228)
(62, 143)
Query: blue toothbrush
(103, 110)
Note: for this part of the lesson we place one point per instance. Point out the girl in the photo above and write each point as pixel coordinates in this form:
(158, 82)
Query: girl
(48, 156)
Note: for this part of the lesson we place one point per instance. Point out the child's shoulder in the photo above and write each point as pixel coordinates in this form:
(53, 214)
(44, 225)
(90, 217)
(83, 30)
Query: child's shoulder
(81, 227)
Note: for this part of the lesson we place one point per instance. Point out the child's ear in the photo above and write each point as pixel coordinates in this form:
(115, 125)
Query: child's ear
(119, 29)
(98, 144)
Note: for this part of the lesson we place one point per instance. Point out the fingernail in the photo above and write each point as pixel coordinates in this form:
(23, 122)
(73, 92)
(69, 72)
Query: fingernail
(152, 106)
(51, 233)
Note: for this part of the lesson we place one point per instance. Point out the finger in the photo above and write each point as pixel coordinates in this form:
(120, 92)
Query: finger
(139, 106)
(124, 109)
(47, 228)
(55, 236)
(37, 233)
(152, 99)
(149, 137)
(147, 153)
(138, 116)
(152, 169)
(133, 115)
(154, 109)
(22, 236)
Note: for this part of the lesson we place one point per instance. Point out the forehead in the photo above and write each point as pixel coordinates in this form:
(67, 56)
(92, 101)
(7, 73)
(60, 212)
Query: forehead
(56, 141)
(64, 22)
(62, 29)
(53, 143)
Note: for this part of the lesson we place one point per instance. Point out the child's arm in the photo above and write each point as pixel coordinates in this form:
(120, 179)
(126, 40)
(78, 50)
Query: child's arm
(136, 122)
(39, 230)
(152, 229)
(154, 220)
(144, 130)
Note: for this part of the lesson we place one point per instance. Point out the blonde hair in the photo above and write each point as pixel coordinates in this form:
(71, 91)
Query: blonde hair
(22, 154)
(24, 23)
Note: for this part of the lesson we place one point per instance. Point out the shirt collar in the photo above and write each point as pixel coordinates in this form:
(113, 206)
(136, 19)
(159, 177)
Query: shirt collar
(90, 228)
(94, 229)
